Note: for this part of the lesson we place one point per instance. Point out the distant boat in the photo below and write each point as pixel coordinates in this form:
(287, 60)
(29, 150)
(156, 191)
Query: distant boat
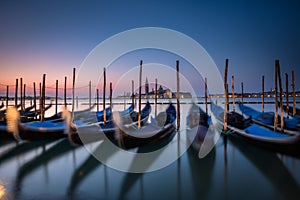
(267, 118)
(256, 134)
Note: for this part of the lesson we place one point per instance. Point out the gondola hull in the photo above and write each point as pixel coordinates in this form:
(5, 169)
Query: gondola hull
(260, 136)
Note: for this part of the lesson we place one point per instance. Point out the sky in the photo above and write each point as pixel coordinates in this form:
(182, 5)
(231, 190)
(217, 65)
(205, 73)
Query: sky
(52, 37)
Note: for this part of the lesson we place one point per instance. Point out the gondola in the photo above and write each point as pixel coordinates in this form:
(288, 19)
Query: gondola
(31, 114)
(267, 118)
(55, 127)
(158, 129)
(27, 115)
(36, 130)
(256, 134)
(95, 130)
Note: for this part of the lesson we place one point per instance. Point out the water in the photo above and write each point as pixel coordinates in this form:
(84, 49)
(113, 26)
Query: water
(232, 170)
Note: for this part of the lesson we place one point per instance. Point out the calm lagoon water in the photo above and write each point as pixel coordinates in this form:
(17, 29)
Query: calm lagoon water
(232, 170)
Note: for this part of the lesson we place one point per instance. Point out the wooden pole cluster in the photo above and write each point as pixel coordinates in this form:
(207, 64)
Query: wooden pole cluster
(104, 87)
(140, 95)
(263, 94)
(232, 91)
(294, 93)
(178, 95)
(225, 95)
(205, 96)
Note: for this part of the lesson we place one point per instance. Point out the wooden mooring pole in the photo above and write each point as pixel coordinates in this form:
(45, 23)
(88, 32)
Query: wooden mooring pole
(132, 92)
(205, 96)
(56, 96)
(140, 95)
(276, 95)
(21, 93)
(155, 98)
(24, 96)
(110, 96)
(34, 99)
(65, 92)
(73, 93)
(104, 88)
(40, 99)
(7, 93)
(280, 98)
(232, 91)
(43, 98)
(225, 95)
(16, 93)
(178, 95)
(263, 94)
(287, 93)
(90, 94)
(97, 99)
(242, 84)
(294, 93)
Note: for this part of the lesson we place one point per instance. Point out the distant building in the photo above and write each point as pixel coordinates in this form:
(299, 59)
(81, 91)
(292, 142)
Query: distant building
(164, 93)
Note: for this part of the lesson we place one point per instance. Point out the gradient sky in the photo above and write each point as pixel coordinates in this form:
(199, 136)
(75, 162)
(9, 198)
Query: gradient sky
(52, 37)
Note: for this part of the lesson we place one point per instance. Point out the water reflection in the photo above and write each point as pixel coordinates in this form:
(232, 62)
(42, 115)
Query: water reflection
(59, 149)
(131, 178)
(202, 171)
(21, 149)
(87, 167)
(272, 168)
(233, 169)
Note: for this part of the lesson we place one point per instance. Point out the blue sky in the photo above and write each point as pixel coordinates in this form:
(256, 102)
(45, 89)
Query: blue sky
(52, 37)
